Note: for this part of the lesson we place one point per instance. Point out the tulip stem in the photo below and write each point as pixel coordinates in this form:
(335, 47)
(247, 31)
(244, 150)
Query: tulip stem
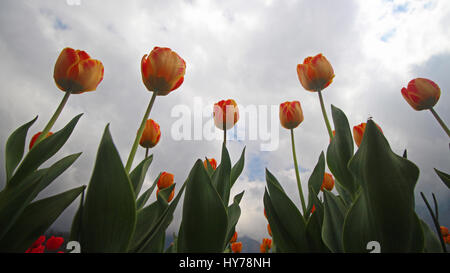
(441, 122)
(53, 119)
(324, 112)
(146, 152)
(139, 134)
(224, 134)
(299, 184)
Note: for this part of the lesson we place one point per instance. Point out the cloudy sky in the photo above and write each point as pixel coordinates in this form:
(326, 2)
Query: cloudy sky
(245, 50)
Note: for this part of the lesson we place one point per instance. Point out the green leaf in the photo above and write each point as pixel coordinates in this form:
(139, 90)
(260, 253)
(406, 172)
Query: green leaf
(384, 209)
(314, 234)
(15, 146)
(42, 151)
(432, 244)
(36, 219)
(286, 222)
(237, 168)
(234, 212)
(204, 221)
(315, 181)
(221, 177)
(14, 198)
(137, 176)
(340, 151)
(146, 195)
(445, 177)
(333, 222)
(109, 214)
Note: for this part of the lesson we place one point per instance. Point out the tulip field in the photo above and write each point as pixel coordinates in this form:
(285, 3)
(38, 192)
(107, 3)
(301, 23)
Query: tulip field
(373, 208)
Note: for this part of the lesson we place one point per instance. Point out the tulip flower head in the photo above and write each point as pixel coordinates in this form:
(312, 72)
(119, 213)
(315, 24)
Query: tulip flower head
(421, 93)
(316, 73)
(76, 72)
(269, 230)
(170, 196)
(212, 162)
(165, 180)
(236, 247)
(234, 238)
(53, 243)
(35, 137)
(328, 182)
(162, 70)
(313, 209)
(291, 114)
(226, 114)
(151, 135)
(358, 132)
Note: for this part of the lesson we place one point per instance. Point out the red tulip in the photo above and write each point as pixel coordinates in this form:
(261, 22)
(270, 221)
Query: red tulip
(212, 162)
(225, 113)
(151, 135)
(358, 132)
(165, 180)
(236, 247)
(421, 93)
(291, 114)
(316, 73)
(35, 137)
(53, 243)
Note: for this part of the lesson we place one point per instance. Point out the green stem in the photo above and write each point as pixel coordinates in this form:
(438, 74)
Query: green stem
(435, 222)
(324, 113)
(224, 134)
(146, 152)
(299, 184)
(139, 134)
(441, 122)
(53, 119)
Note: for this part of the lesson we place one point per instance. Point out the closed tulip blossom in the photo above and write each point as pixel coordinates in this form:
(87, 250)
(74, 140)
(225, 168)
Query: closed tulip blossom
(162, 70)
(226, 114)
(291, 114)
(358, 132)
(316, 74)
(151, 135)
(54, 243)
(236, 247)
(266, 245)
(328, 182)
(423, 94)
(212, 162)
(165, 180)
(76, 72)
(35, 137)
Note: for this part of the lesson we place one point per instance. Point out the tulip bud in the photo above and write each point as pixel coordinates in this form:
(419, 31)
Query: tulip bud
(170, 196)
(225, 113)
(35, 137)
(53, 243)
(236, 247)
(316, 73)
(165, 180)
(269, 230)
(328, 182)
(313, 209)
(444, 231)
(358, 132)
(291, 114)
(75, 72)
(234, 238)
(151, 135)
(212, 162)
(265, 245)
(421, 93)
(162, 70)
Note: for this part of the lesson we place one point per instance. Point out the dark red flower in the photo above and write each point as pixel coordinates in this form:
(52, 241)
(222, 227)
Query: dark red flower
(54, 243)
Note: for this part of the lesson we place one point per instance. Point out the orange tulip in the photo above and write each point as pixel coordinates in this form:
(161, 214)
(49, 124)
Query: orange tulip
(269, 230)
(291, 114)
(265, 213)
(75, 72)
(316, 73)
(236, 247)
(358, 132)
(165, 180)
(35, 137)
(162, 70)
(421, 93)
(444, 231)
(265, 245)
(234, 238)
(225, 113)
(170, 196)
(151, 135)
(328, 182)
(313, 209)
(212, 162)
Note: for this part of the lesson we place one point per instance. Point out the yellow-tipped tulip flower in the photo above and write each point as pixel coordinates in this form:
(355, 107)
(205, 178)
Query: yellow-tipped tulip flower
(328, 182)
(225, 113)
(358, 132)
(151, 135)
(212, 162)
(291, 114)
(316, 73)
(75, 72)
(421, 93)
(162, 70)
